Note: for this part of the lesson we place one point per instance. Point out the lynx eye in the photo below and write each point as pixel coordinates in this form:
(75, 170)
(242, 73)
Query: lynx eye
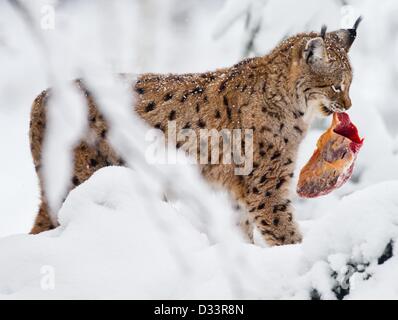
(336, 89)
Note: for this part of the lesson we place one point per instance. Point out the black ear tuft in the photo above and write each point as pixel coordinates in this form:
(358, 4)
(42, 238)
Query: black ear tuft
(353, 32)
(356, 24)
(323, 31)
(347, 36)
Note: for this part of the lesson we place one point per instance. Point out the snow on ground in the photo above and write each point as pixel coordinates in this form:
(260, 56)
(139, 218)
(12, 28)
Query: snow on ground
(109, 245)
(120, 239)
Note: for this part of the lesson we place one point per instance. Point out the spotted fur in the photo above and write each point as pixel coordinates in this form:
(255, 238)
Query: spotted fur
(274, 95)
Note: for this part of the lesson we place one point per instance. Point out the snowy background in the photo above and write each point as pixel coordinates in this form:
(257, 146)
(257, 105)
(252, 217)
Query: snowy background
(117, 238)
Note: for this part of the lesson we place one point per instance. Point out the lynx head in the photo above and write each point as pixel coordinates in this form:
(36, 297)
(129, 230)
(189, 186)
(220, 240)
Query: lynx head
(327, 73)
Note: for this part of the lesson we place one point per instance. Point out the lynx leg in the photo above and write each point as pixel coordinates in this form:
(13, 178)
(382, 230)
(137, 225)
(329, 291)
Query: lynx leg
(247, 228)
(272, 214)
(42, 222)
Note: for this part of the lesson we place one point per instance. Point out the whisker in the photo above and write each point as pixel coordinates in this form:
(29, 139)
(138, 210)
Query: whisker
(326, 111)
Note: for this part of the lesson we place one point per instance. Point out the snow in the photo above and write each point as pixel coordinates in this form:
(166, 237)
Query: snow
(66, 125)
(117, 237)
(109, 246)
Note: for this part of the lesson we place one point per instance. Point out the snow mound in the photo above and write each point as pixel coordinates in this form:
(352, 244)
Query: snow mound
(119, 240)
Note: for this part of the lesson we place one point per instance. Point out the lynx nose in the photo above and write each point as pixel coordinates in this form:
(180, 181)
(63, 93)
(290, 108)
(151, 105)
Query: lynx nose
(347, 102)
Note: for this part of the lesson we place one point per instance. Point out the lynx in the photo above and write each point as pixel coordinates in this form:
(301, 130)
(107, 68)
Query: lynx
(276, 95)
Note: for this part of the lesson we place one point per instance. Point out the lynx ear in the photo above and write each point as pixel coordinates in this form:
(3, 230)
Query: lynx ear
(348, 36)
(315, 52)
